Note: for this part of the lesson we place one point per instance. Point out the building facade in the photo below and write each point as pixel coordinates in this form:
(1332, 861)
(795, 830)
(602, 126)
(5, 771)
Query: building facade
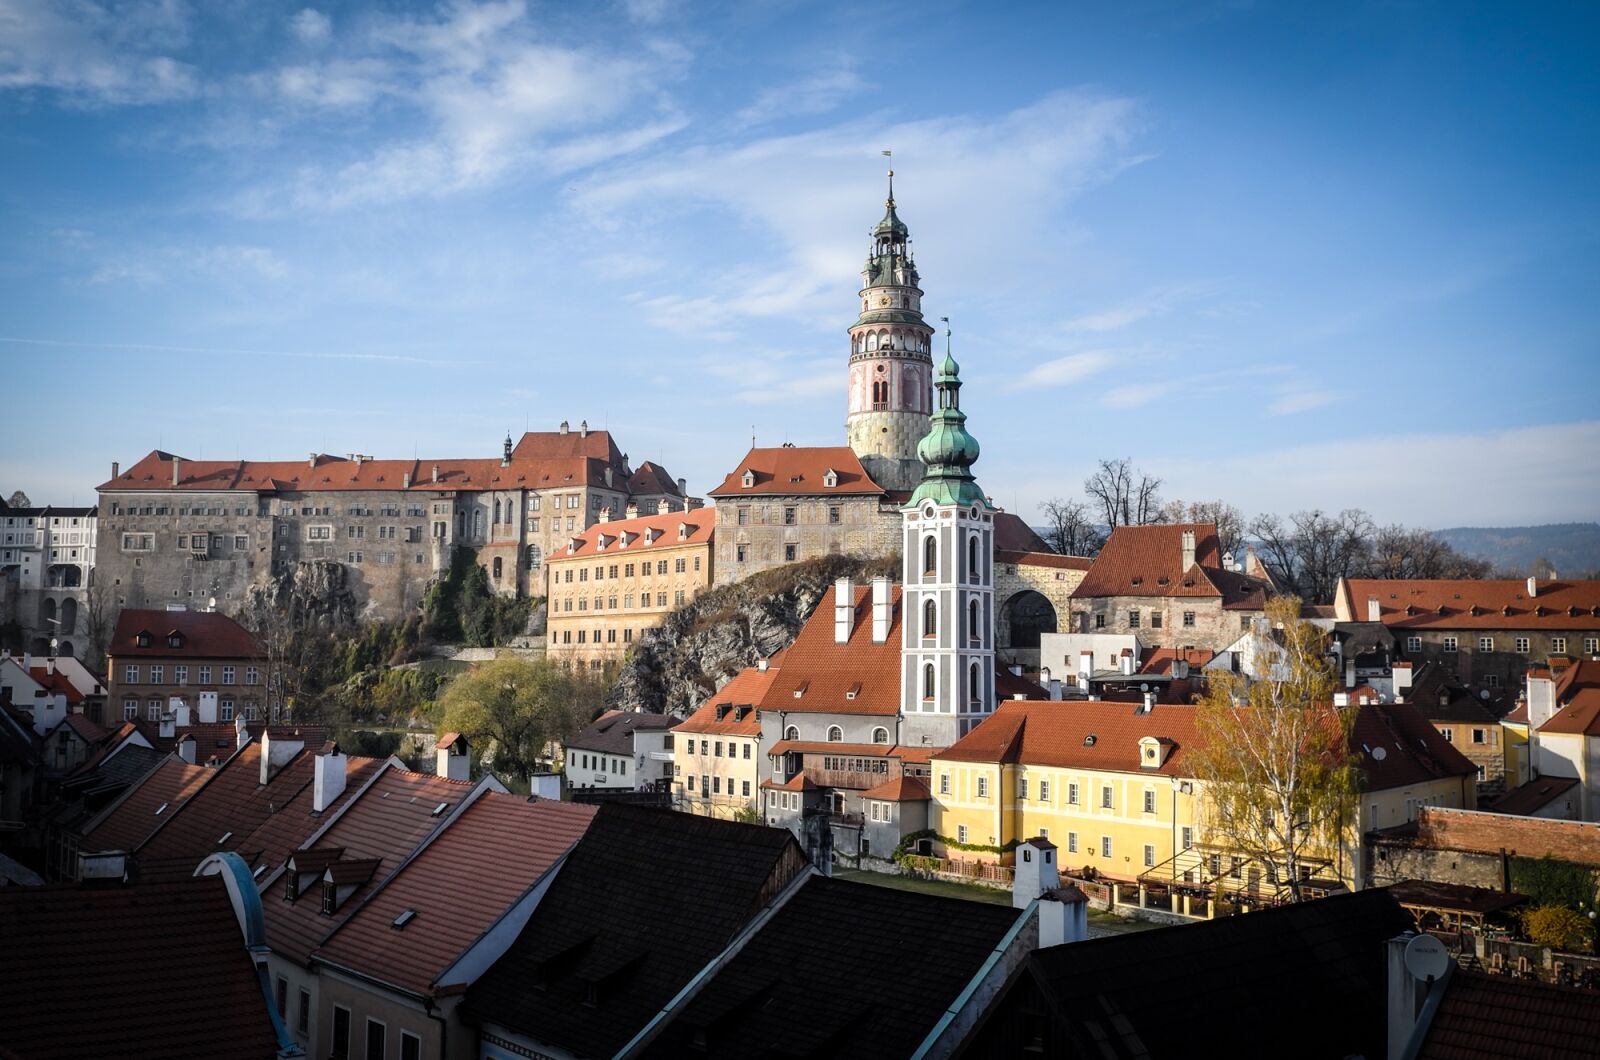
(204, 661)
(618, 578)
(621, 751)
(193, 532)
(717, 761)
(47, 559)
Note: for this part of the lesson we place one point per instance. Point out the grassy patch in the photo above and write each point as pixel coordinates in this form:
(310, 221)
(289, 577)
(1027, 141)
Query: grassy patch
(969, 891)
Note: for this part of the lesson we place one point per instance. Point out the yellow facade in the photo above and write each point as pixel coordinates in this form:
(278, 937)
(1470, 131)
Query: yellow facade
(715, 775)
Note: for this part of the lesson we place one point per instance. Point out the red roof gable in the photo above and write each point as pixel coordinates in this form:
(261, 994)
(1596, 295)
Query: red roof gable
(1148, 561)
(746, 689)
(1045, 733)
(791, 470)
(900, 789)
(1495, 603)
(697, 526)
(858, 677)
(202, 635)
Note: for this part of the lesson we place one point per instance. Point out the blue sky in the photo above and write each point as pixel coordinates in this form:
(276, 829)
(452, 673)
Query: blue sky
(1288, 255)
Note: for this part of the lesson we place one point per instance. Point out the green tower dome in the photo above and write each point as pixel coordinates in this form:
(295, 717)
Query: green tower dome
(948, 450)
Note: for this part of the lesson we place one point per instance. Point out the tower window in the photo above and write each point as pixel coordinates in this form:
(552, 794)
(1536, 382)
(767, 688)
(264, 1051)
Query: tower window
(930, 619)
(880, 394)
(930, 556)
(974, 631)
(974, 685)
(927, 681)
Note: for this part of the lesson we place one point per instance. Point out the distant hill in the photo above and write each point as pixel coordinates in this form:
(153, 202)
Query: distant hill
(1574, 548)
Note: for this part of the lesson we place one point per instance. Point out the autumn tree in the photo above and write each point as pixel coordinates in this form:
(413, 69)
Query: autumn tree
(1558, 927)
(1122, 495)
(1070, 528)
(1278, 778)
(514, 707)
(98, 614)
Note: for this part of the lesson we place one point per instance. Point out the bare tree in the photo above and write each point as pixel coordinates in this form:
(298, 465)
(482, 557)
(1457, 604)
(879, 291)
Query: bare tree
(1070, 529)
(1404, 552)
(1313, 550)
(97, 615)
(1229, 520)
(1124, 495)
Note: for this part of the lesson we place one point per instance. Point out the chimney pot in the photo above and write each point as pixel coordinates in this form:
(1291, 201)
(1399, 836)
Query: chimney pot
(177, 473)
(762, 664)
(311, 460)
(881, 610)
(1374, 610)
(116, 469)
(329, 779)
(583, 429)
(844, 609)
(1533, 587)
(436, 472)
(564, 427)
(453, 762)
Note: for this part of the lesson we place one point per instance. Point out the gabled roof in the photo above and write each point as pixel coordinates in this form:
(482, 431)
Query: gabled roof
(612, 732)
(900, 789)
(566, 445)
(650, 478)
(1085, 734)
(1581, 714)
(1471, 603)
(1398, 747)
(232, 802)
(130, 821)
(291, 822)
(1148, 561)
(457, 887)
(610, 945)
(1443, 699)
(746, 690)
(87, 730)
(1275, 972)
(841, 970)
(1484, 1016)
(204, 635)
(642, 533)
(157, 970)
(795, 471)
(826, 673)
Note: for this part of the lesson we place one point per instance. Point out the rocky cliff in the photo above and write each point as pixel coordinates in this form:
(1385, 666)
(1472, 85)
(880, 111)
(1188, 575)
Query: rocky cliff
(703, 644)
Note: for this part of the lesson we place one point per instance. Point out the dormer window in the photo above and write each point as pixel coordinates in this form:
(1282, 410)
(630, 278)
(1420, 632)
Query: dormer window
(174, 640)
(830, 478)
(142, 639)
(748, 480)
(683, 531)
(330, 898)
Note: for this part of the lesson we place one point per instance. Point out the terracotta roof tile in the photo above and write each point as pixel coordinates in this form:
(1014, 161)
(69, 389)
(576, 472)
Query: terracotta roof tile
(1528, 799)
(643, 533)
(1581, 714)
(1413, 751)
(1148, 561)
(899, 789)
(205, 635)
(794, 471)
(1081, 735)
(825, 673)
(1483, 1016)
(1496, 603)
(131, 820)
(746, 690)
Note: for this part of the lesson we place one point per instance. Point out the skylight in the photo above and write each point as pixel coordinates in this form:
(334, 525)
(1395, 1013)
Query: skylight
(437, 810)
(161, 809)
(404, 918)
(225, 837)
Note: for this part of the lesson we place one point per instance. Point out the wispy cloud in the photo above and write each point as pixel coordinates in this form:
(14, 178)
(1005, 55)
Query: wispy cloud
(817, 94)
(1152, 303)
(89, 346)
(310, 26)
(1073, 368)
(95, 54)
(1136, 395)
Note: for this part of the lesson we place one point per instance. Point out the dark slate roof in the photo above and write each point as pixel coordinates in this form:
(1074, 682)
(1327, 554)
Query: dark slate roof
(841, 970)
(158, 970)
(643, 902)
(1443, 699)
(1483, 1016)
(612, 732)
(1530, 798)
(1275, 973)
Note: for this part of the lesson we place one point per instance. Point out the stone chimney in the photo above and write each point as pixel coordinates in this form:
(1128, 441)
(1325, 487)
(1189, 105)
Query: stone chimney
(631, 511)
(1533, 587)
(1188, 549)
(881, 610)
(1063, 911)
(451, 759)
(1180, 669)
(241, 734)
(311, 460)
(332, 771)
(167, 727)
(116, 469)
(1374, 610)
(177, 474)
(663, 506)
(405, 480)
(683, 487)
(583, 429)
(610, 475)
(564, 428)
(276, 753)
(844, 610)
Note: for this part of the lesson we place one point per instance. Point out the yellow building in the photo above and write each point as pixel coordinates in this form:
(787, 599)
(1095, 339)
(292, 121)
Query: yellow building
(622, 576)
(716, 768)
(1110, 788)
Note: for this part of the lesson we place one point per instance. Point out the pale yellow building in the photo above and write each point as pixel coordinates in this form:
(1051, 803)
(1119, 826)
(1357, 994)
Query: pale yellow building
(1110, 788)
(717, 749)
(621, 577)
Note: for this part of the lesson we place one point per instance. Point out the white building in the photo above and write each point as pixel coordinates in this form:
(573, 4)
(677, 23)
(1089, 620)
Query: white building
(622, 750)
(47, 560)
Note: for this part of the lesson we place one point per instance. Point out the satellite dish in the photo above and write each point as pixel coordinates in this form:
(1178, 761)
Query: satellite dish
(1426, 958)
(1483, 694)
(1144, 686)
(1379, 754)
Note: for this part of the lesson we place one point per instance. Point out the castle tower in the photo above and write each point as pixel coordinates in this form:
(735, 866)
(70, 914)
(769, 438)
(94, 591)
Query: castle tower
(947, 678)
(891, 363)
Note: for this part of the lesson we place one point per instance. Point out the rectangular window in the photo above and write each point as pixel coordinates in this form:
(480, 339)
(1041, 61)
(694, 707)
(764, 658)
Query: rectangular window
(1558, 645)
(1022, 788)
(225, 710)
(1486, 644)
(1591, 645)
(1044, 791)
(282, 994)
(741, 552)
(303, 1019)
(833, 514)
(410, 1046)
(744, 516)
(944, 781)
(983, 787)
(961, 833)
(130, 675)
(790, 553)
(1491, 680)
(376, 1043)
(227, 675)
(1105, 797)
(1235, 867)
(1105, 846)
(1155, 620)
(341, 1032)
(1149, 856)
(1188, 837)
(1072, 842)
(1133, 619)
(180, 675)
(1522, 645)
(1480, 735)
(1449, 644)
(158, 673)
(1072, 794)
(1188, 619)
(130, 709)
(252, 675)
(661, 566)
(205, 675)
(1149, 802)
(1099, 621)
(1413, 644)
(1449, 734)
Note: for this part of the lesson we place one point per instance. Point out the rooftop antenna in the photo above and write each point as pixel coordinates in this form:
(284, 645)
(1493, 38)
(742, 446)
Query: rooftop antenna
(752, 436)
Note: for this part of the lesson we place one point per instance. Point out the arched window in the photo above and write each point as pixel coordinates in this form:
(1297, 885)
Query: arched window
(973, 571)
(930, 619)
(497, 568)
(791, 733)
(497, 510)
(835, 734)
(974, 632)
(880, 735)
(930, 555)
(872, 341)
(927, 681)
(974, 678)
(535, 557)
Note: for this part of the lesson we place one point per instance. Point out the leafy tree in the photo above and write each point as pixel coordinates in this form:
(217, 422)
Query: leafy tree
(514, 707)
(1559, 928)
(1123, 495)
(1278, 779)
(1070, 528)
(19, 500)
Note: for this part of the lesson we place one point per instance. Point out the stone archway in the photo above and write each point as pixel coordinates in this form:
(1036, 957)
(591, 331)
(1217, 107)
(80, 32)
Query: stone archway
(1022, 618)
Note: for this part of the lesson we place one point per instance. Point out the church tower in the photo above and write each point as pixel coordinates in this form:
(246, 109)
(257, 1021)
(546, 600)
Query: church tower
(947, 678)
(891, 363)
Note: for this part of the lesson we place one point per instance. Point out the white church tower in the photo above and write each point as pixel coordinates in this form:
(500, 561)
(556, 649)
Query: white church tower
(891, 359)
(947, 678)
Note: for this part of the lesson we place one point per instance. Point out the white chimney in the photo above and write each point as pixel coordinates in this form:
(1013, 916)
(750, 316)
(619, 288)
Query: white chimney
(1063, 916)
(208, 708)
(844, 610)
(1188, 549)
(1374, 610)
(275, 754)
(186, 749)
(167, 727)
(583, 429)
(663, 506)
(631, 511)
(564, 427)
(605, 514)
(1533, 587)
(177, 471)
(1402, 680)
(762, 664)
(332, 770)
(1085, 666)
(1126, 663)
(1055, 689)
(311, 460)
(545, 785)
(1035, 872)
(451, 759)
(116, 469)
(436, 472)
(179, 711)
(881, 610)
(241, 734)
(1149, 703)
(1541, 698)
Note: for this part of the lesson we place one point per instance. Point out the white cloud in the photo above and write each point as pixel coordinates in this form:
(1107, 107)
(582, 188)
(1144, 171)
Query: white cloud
(310, 26)
(1073, 368)
(94, 54)
(1153, 303)
(1301, 400)
(817, 94)
(1136, 395)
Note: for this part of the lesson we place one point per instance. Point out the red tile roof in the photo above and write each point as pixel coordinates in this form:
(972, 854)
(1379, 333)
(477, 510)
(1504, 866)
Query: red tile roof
(129, 821)
(232, 803)
(650, 478)
(1474, 604)
(292, 823)
(1011, 534)
(822, 747)
(899, 789)
(798, 782)
(130, 971)
(56, 682)
(1483, 1016)
(87, 730)
(1527, 799)
(1043, 559)
(1037, 732)
(451, 890)
(1148, 561)
(795, 471)
(825, 673)
(386, 822)
(1414, 752)
(205, 635)
(1580, 715)
(1160, 660)
(643, 533)
(746, 689)
(567, 445)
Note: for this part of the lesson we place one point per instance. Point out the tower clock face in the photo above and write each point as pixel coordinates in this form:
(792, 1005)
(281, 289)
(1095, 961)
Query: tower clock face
(884, 300)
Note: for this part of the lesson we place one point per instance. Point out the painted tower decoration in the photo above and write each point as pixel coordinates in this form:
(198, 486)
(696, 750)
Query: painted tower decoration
(947, 677)
(891, 363)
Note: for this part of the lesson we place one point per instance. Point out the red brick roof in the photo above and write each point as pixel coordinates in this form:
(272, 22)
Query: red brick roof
(556, 445)
(1483, 1016)
(1580, 715)
(291, 823)
(900, 789)
(1535, 795)
(233, 802)
(157, 970)
(1043, 733)
(453, 892)
(386, 822)
(746, 689)
(1414, 752)
(205, 635)
(826, 673)
(792, 471)
(697, 526)
(1011, 534)
(1148, 561)
(130, 820)
(1446, 603)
